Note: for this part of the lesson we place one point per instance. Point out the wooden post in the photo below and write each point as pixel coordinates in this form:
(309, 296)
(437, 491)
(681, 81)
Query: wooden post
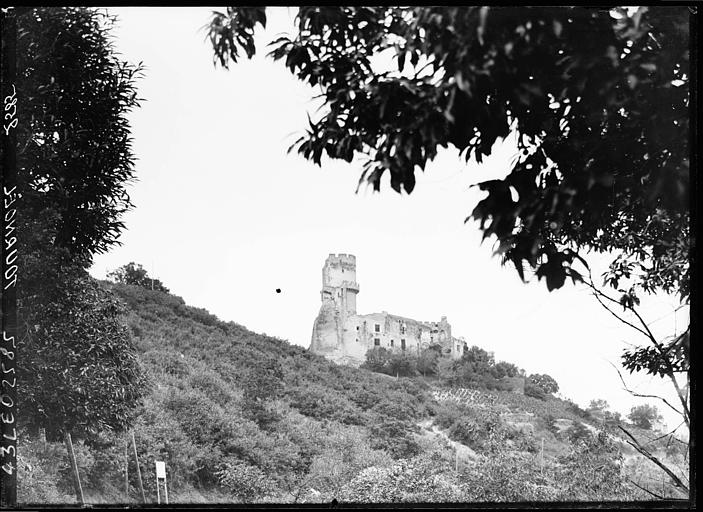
(456, 459)
(139, 472)
(166, 491)
(126, 471)
(541, 465)
(74, 466)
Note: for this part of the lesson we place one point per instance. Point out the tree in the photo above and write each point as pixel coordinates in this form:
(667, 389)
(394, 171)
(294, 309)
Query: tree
(401, 364)
(79, 370)
(544, 382)
(78, 367)
(427, 362)
(599, 99)
(481, 362)
(74, 146)
(505, 369)
(644, 416)
(377, 360)
(136, 275)
(598, 404)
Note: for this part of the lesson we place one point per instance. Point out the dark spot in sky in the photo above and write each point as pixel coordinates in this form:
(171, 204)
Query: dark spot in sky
(278, 290)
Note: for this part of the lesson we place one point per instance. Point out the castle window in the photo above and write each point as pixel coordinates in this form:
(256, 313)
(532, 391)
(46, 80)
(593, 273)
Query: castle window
(402, 329)
(377, 342)
(402, 344)
(391, 343)
(377, 328)
(357, 327)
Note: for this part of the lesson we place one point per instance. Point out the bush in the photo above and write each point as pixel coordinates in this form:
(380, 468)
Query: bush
(423, 479)
(578, 432)
(534, 391)
(394, 437)
(244, 481)
(346, 453)
(592, 471)
(506, 476)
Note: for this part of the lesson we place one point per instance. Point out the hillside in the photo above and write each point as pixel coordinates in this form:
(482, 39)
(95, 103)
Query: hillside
(242, 417)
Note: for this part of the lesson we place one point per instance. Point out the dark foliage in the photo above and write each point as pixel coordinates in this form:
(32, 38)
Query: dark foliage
(599, 98)
(78, 367)
(74, 147)
(79, 370)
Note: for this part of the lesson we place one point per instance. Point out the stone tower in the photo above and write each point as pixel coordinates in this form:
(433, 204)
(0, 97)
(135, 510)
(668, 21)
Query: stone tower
(338, 295)
(339, 282)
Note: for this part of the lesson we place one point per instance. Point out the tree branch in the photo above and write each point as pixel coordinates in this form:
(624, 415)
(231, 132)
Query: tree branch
(648, 334)
(598, 292)
(634, 393)
(669, 434)
(641, 449)
(670, 369)
(645, 490)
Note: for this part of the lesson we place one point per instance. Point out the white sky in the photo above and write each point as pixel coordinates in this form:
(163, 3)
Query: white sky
(224, 217)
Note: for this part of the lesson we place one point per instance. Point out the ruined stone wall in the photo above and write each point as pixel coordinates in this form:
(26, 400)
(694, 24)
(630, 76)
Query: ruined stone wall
(344, 336)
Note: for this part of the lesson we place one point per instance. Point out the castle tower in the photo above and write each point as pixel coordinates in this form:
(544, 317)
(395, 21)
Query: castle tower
(338, 295)
(339, 283)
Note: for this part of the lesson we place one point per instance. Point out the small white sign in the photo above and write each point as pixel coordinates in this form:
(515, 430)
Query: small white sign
(160, 469)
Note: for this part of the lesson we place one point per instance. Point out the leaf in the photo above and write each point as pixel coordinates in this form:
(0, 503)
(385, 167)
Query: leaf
(401, 61)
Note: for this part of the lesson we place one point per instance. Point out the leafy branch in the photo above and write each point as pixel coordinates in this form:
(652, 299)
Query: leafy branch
(641, 449)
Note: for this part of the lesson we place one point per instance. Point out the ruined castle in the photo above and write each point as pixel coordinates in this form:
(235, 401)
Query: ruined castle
(342, 335)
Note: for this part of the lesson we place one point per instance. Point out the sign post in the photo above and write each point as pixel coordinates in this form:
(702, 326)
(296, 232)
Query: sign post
(161, 475)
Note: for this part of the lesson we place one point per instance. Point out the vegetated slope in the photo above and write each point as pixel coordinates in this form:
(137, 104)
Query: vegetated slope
(274, 412)
(239, 416)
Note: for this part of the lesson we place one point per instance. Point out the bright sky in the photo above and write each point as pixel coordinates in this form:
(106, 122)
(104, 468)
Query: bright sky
(224, 217)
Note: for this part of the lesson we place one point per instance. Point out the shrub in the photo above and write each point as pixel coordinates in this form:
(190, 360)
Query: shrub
(426, 478)
(244, 481)
(592, 471)
(394, 437)
(534, 391)
(506, 476)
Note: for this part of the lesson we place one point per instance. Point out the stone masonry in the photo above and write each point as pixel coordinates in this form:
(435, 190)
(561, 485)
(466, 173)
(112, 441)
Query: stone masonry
(343, 336)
